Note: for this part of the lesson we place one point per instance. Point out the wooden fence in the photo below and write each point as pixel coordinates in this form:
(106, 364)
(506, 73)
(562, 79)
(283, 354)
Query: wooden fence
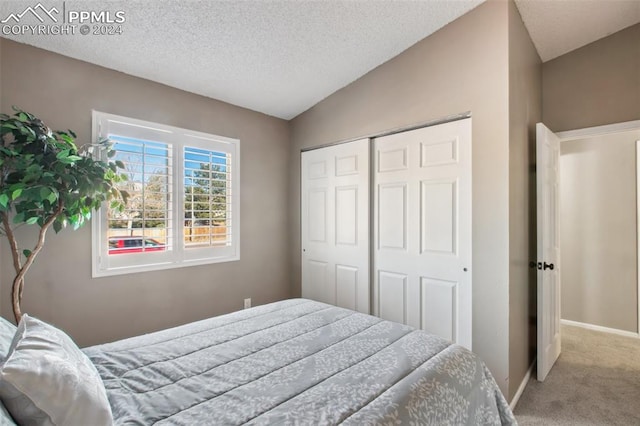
(195, 234)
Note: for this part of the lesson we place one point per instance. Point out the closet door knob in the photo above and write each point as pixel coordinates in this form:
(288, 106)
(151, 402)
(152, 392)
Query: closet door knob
(548, 266)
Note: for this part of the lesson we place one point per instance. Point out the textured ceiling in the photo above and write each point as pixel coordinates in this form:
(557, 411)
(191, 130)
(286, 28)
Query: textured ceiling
(277, 57)
(560, 26)
(281, 57)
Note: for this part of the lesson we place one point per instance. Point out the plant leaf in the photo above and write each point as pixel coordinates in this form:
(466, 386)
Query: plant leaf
(44, 174)
(26, 252)
(44, 192)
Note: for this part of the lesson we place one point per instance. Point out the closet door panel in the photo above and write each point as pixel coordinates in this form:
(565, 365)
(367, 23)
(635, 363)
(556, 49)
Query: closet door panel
(438, 307)
(424, 231)
(438, 225)
(346, 286)
(335, 225)
(392, 288)
(392, 213)
(347, 215)
(319, 288)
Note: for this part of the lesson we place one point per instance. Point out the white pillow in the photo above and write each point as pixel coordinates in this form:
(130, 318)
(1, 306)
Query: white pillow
(47, 380)
(7, 331)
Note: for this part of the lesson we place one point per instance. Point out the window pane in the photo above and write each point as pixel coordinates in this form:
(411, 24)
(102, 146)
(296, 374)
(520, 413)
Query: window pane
(188, 215)
(207, 201)
(144, 225)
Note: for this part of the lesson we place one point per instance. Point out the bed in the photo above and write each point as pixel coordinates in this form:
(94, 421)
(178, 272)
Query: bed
(296, 362)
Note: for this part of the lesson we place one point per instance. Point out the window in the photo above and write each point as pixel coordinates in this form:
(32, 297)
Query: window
(184, 203)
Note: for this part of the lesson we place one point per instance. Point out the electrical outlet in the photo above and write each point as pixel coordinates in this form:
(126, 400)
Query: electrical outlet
(247, 303)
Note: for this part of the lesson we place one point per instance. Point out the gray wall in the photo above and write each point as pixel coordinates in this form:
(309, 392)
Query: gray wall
(525, 110)
(59, 287)
(462, 67)
(598, 231)
(594, 85)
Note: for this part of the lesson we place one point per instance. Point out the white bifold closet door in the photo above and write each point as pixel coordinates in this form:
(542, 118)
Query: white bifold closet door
(422, 229)
(335, 225)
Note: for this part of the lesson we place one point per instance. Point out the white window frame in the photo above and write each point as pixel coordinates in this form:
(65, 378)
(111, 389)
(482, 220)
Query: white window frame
(105, 265)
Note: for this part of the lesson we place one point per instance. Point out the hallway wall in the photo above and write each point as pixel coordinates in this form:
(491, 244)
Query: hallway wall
(598, 230)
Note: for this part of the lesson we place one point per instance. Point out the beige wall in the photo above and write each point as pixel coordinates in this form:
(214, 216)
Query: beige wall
(594, 85)
(525, 110)
(598, 231)
(59, 286)
(462, 67)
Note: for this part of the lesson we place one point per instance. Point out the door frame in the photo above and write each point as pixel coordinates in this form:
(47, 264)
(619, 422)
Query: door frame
(429, 123)
(607, 129)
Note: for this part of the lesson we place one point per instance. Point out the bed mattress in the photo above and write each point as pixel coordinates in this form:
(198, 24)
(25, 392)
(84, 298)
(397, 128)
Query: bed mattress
(296, 362)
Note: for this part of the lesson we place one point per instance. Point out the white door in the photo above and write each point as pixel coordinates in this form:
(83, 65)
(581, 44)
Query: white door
(335, 225)
(547, 180)
(422, 228)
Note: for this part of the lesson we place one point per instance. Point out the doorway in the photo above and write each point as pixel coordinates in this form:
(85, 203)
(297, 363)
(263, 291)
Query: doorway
(603, 247)
(598, 231)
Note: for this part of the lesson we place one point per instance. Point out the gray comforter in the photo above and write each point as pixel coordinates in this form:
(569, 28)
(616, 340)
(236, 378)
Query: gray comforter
(297, 362)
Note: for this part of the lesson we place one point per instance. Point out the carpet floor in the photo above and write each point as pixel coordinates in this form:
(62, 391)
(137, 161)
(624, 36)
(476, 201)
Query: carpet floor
(596, 381)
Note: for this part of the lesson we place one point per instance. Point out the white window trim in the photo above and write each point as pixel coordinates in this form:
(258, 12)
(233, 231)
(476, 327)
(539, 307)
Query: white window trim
(179, 257)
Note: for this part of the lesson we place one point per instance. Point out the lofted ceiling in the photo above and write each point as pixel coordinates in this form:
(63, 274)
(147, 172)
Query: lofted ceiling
(281, 57)
(560, 26)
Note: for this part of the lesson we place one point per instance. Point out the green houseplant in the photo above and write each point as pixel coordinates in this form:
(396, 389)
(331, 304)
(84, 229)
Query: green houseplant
(45, 180)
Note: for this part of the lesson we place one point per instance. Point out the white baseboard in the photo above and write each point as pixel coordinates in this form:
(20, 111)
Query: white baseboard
(523, 385)
(601, 328)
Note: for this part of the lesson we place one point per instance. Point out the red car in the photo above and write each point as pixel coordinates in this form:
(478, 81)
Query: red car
(120, 245)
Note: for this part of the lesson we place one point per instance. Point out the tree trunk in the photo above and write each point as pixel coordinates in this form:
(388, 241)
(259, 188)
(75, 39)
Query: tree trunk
(17, 265)
(21, 270)
(16, 298)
